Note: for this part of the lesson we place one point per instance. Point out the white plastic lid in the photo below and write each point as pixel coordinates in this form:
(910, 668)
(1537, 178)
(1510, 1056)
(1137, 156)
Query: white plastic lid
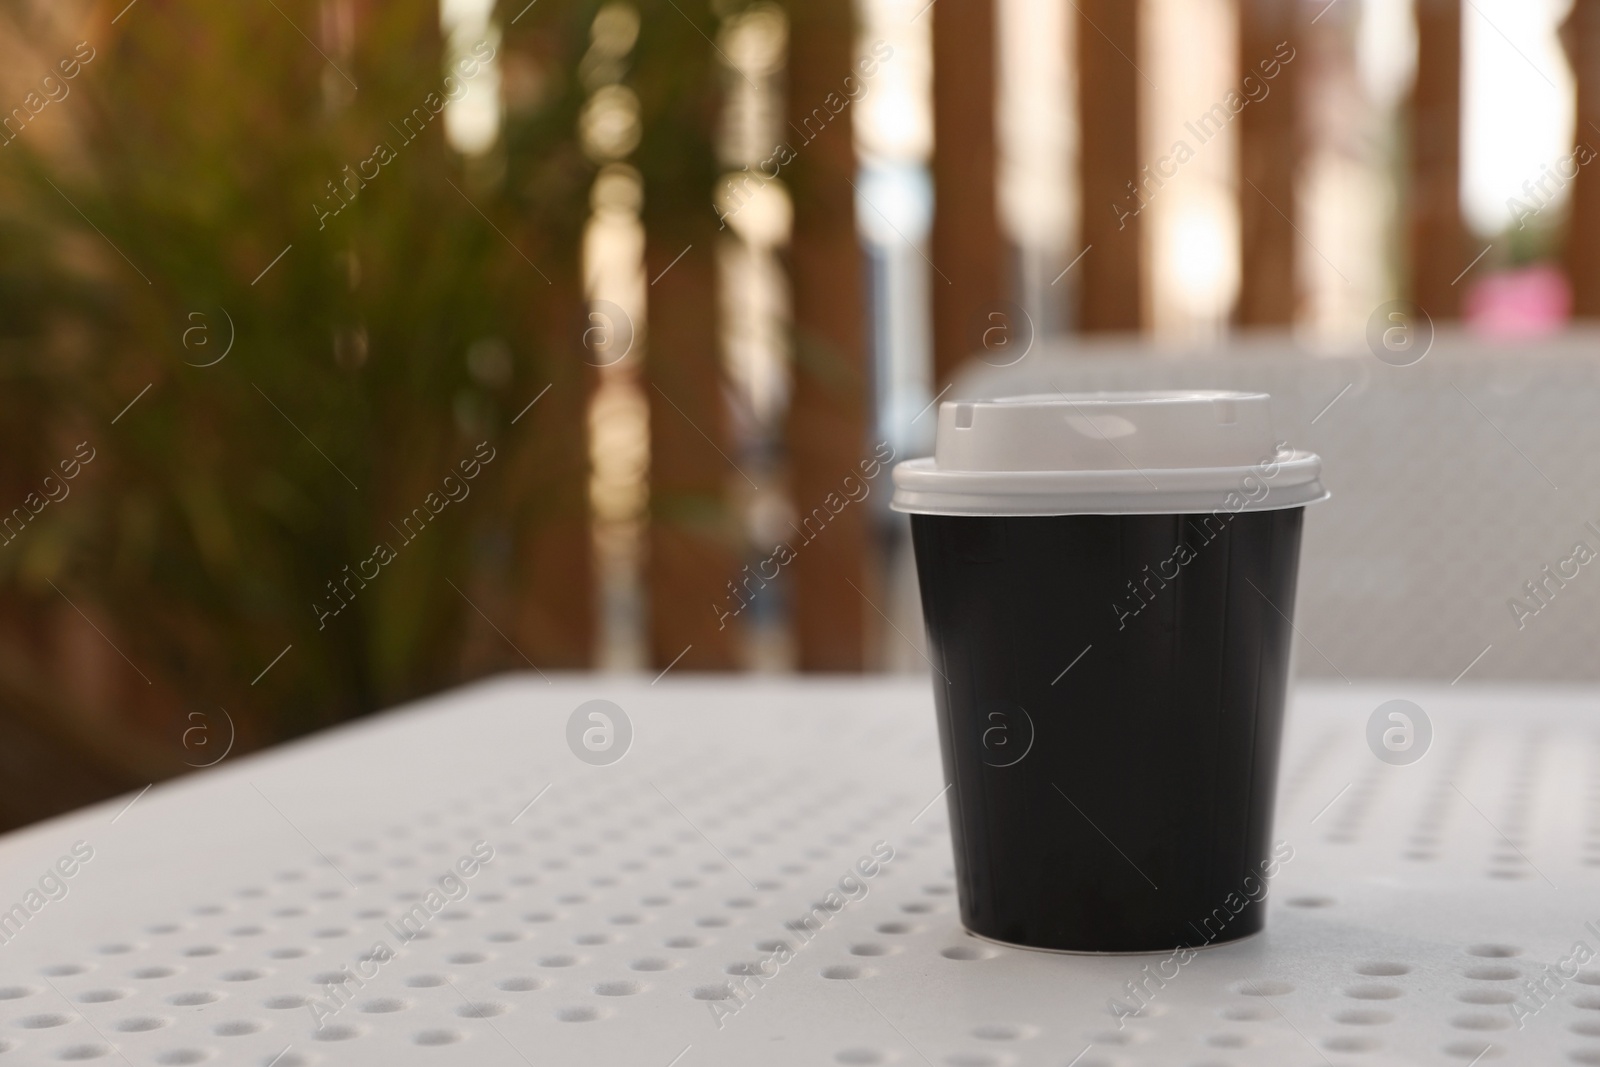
(1179, 452)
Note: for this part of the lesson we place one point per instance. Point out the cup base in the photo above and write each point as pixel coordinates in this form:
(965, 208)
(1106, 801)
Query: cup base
(1097, 952)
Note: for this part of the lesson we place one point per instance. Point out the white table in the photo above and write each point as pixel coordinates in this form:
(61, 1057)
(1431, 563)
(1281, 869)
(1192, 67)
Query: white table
(213, 907)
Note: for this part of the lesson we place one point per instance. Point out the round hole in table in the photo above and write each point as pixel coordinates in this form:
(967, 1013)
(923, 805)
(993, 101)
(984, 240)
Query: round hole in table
(437, 1037)
(1351, 1043)
(337, 1032)
(967, 953)
(237, 1028)
(619, 987)
(1473, 1050)
(1004, 1031)
(581, 1013)
(383, 1005)
(181, 1056)
(1263, 987)
(1373, 991)
(1494, 950)
(140, 1024)
(1492, 972)
(651, 963)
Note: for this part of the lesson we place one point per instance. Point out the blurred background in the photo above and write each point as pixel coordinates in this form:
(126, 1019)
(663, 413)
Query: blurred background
(353, 351)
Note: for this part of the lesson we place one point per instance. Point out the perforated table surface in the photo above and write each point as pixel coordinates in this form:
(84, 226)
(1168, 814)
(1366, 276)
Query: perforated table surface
(631, 914)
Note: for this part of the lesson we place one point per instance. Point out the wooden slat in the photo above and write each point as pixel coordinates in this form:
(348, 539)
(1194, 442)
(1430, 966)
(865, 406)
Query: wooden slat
(549, 584)
(828, 414)
(1270, 152)
(553, 584)
(1581, 34)
(1111, 275)
(1436, 241)
(692, 553)
(693, 538)
(967, 248)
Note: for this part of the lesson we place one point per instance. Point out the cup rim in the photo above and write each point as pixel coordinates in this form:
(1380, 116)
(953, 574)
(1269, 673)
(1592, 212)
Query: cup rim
(1289, 479)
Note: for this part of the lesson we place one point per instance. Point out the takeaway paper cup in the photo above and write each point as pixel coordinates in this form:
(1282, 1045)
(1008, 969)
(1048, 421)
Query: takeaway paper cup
(1108, 581)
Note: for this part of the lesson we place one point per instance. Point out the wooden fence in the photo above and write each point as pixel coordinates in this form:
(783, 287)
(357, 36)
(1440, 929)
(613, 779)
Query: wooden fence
(524, 567)
(970, 260)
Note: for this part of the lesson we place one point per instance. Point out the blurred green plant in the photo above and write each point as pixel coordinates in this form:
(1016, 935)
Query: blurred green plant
(177, 204)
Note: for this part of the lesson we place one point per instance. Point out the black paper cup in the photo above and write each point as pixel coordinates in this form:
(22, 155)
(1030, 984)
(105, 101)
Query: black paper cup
(1110, 683)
